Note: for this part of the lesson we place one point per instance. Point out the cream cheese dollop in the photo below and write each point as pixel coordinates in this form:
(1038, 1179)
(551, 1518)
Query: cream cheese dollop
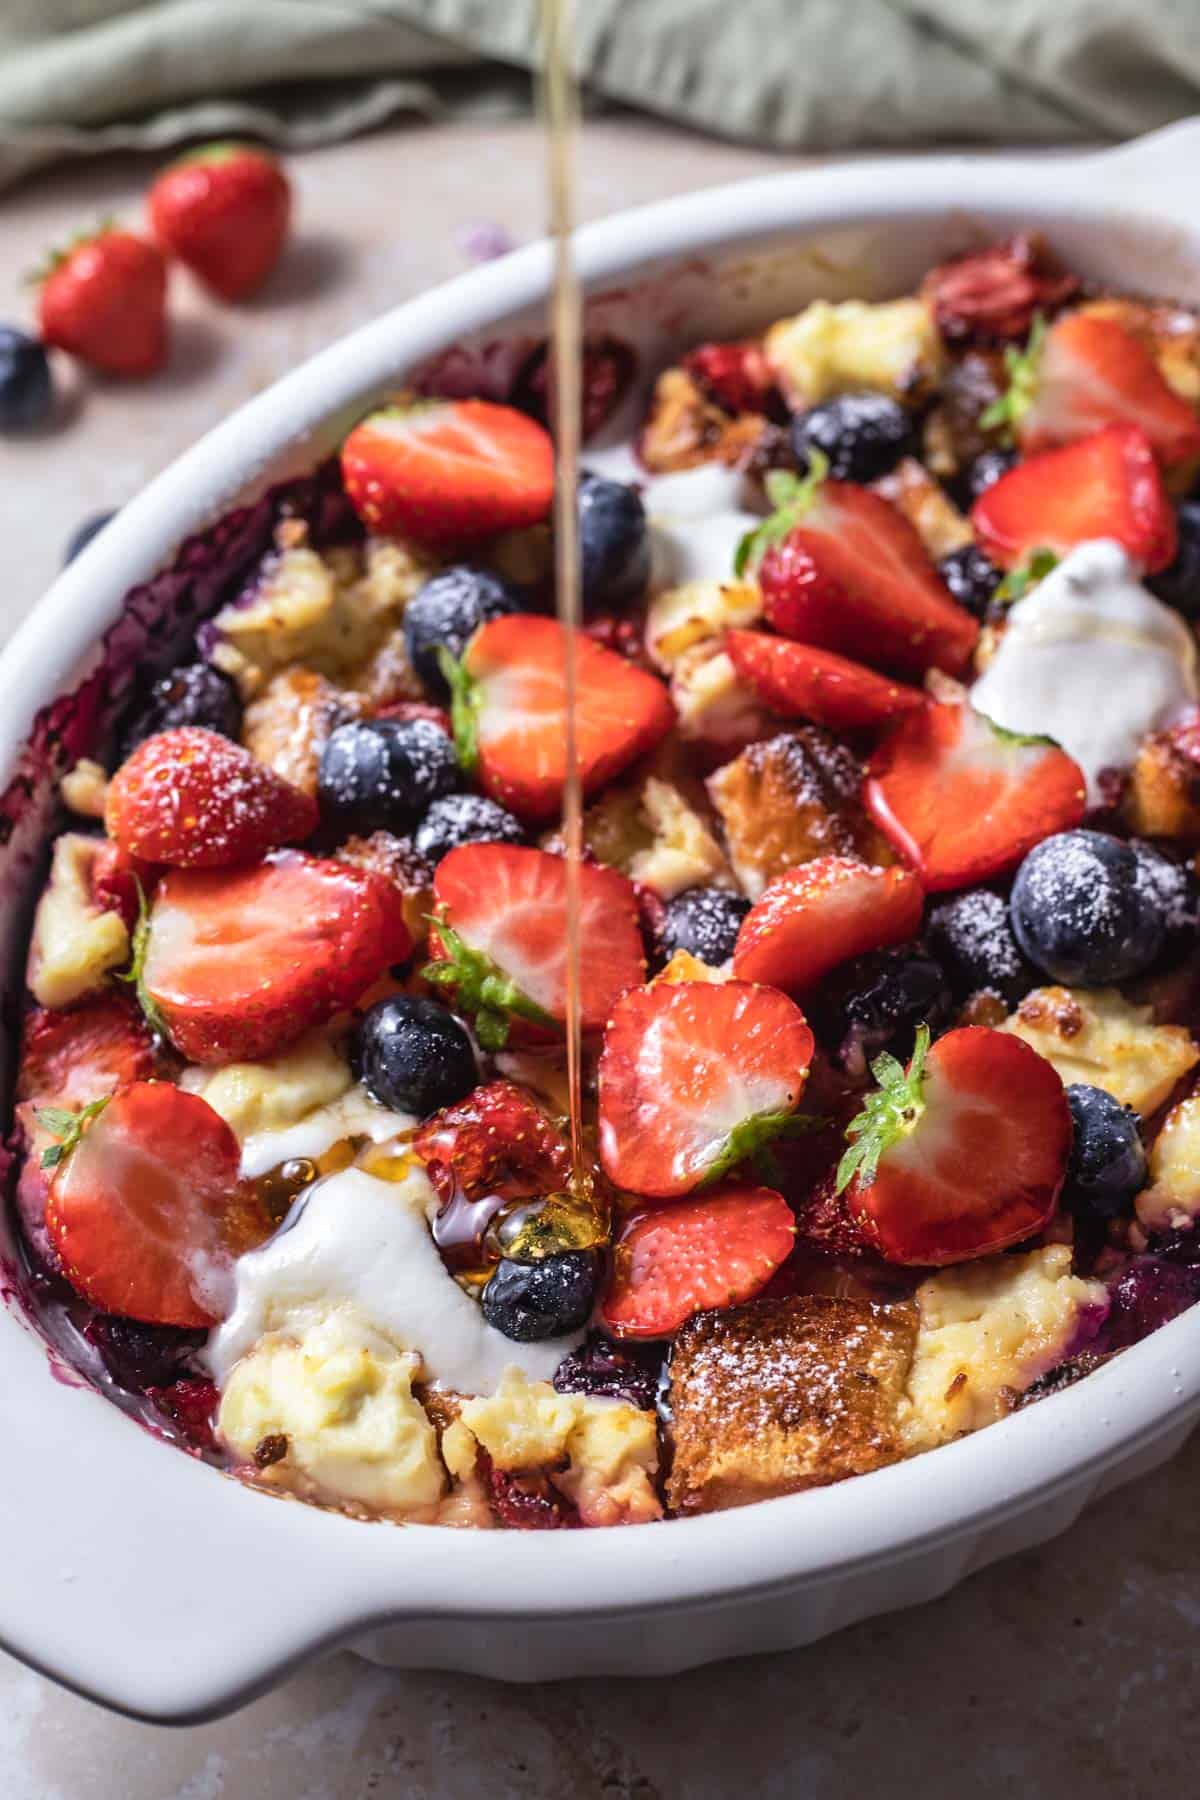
(1091, 659)
(354, 1239)
(698, 518)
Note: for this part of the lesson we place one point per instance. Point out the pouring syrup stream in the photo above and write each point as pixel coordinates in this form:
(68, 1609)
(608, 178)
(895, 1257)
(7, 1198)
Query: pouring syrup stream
(560, 111)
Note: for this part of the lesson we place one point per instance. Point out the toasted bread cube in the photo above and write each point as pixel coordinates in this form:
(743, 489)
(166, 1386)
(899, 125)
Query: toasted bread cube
(684, 428)
(781, 1395)
(789, 799)
(1171, 1202)
(290, 722)
(75, 944)
(831, 349)
(1095, 1035)
(1163, 797)
(679, 618)
(1170, 332)
(927, 506)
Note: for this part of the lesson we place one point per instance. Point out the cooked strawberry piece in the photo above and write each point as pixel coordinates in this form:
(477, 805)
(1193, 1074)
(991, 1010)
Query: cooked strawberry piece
(194, 800)
(447, 471)
(963, 1153)
(147, 1210)
(800, 681)
(240, 962)
(190, 1405)
(677, 1260)
(1103, 486)
(500, 943)
(528, 1502)
(992, 296)
(962, 800)
(811, 918)
(841, 568)
(1087, 373)
(115, 879)
(736, 375)
(497, 1142)
(510, 712)
(609, 367)
(694, 1078)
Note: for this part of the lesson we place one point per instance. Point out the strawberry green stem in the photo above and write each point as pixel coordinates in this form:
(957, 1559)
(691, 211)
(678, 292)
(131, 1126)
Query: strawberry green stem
(482, 988)
(792, 496)
(1022, 369)
(887, 1115)
(135, 974)
(464, 709)
(67, 1127)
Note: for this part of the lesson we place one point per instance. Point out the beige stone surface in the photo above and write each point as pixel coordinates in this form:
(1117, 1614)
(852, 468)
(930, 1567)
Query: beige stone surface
(1066, 1672)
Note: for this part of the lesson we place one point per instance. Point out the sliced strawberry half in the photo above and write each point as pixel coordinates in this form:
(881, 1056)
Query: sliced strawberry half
(147, 1210)
(238, 962)
(822, 913)
(510, 712)
(962, 1153)
(963, 800)
(445, 471)
(694, 1078)
(841, 568)
(677, 1260)
(193, 799)
(1084, 373)
(801, 682)
(1103, 486)
(499, 940)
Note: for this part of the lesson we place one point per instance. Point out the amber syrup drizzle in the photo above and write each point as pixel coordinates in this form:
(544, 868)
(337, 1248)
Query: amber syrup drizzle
(560, 113)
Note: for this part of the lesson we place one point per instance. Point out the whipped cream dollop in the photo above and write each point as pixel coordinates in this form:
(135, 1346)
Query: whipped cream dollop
(358, 1241)
(698, 518)
(1091, 659)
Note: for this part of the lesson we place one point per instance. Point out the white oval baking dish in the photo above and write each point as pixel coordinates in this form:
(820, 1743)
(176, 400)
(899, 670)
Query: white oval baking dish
(158, 1586)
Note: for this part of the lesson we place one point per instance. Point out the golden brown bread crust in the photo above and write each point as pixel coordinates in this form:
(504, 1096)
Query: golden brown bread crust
(684, 428)
(780, 1395)
(789, 799)
(1163, 796)
(288, 725)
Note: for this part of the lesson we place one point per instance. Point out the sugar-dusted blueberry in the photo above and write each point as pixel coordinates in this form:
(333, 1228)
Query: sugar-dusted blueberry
(193, 694)
(458, 819)
(1176, 888)
(26, 389)
(614, 541)
(877, 1001)
(529, 1301)
(446, 612)
(1084, 911)
(412, 1056)
(1108, 1158)
(1178, 585)
(382, 774)
(704, 922)
(83, 534)
(972, 578)
(598, 1367)
(863, 435)
(972, 937)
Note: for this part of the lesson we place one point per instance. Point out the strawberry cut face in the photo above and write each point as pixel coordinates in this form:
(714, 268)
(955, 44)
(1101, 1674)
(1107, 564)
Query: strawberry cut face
(963, 1154)
(695, 1078)
(811, 918)
(508, 907)
(963, 800)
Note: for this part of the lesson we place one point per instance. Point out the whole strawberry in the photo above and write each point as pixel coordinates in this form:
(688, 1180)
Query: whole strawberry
(104, 300)
(223, 210)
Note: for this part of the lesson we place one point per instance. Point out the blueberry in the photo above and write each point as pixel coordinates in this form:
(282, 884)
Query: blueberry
(83, 534)
(447, 611)
(1178, 585)
(194, 694)
(1150, 1293)
(972, 937)
(413, 1057)
(704, 922)
(1084, 910)
(141, 1356)
(529, 1301)
(599, 1367)
(1177, 890)
(1108, 1159)
(26, 391)
(464, 819)
(863, 435)
(381, 774)
(876, 1003)
(971, 577)
(614, 542)
(979, 475)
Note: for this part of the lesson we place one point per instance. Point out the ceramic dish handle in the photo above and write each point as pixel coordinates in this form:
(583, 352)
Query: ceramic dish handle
(1164, 164)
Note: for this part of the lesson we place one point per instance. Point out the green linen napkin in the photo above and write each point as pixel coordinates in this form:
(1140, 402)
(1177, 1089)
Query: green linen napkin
(81, 76)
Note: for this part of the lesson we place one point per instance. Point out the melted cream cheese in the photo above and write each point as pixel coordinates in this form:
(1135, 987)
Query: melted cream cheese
(354, 1115)
(698, 518)
(1092, 659)
(353, 1239)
